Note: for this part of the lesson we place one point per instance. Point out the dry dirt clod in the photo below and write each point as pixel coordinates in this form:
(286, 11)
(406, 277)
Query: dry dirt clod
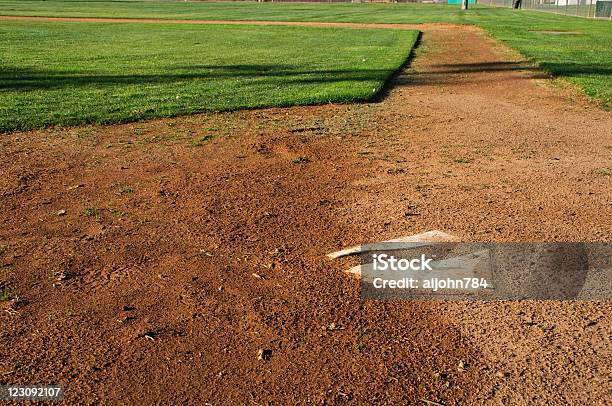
(61, 276)
(501, 374)
(17, 303)
(431, 402)
(126, 319)
(271, 265)
(264, 354)
(334, 327)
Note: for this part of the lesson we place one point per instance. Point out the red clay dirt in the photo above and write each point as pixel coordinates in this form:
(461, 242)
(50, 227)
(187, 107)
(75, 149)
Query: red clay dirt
(153, 264)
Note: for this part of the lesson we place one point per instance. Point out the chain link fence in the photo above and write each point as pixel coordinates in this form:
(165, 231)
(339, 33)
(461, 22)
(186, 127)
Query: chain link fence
(579, 8)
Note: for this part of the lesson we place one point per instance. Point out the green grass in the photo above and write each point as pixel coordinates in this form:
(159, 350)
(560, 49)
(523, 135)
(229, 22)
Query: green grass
(92, 212)
(75, 73)
(5, 294)
(585, 60)
(395, 13)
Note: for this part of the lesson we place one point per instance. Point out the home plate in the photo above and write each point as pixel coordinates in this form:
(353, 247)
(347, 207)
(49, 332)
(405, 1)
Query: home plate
(426, 237)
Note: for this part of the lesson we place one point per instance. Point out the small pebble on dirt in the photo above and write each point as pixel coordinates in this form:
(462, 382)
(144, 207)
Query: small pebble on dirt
(264, 354)
(17, 303)
(334, 327)
(501, 374)
(61, 212)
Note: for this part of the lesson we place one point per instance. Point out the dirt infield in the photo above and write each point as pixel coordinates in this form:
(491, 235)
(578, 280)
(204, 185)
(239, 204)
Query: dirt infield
(153, 261)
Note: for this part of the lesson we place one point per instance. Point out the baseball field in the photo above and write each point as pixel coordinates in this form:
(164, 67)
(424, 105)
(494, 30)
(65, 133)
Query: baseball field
(174, 174)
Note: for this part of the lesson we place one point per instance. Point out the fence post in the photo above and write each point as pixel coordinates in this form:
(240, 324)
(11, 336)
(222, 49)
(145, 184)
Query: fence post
(590, 8)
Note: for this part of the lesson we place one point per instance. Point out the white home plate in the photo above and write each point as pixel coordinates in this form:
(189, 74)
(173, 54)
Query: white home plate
(426, 237)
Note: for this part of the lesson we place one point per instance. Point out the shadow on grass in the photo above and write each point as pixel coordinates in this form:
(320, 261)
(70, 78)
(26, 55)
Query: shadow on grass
(448, 74)
(24, 79)
(19, 79)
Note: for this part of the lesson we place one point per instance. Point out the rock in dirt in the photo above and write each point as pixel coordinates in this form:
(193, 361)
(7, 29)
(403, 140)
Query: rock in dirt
(264, 354)
(334, 327)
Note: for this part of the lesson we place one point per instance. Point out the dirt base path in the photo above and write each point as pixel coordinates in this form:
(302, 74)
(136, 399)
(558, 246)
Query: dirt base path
(153, 263)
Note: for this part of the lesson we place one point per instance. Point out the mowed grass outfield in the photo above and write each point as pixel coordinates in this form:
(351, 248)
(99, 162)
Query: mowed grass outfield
(55, 73)
(74, 73)
(584, 59)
